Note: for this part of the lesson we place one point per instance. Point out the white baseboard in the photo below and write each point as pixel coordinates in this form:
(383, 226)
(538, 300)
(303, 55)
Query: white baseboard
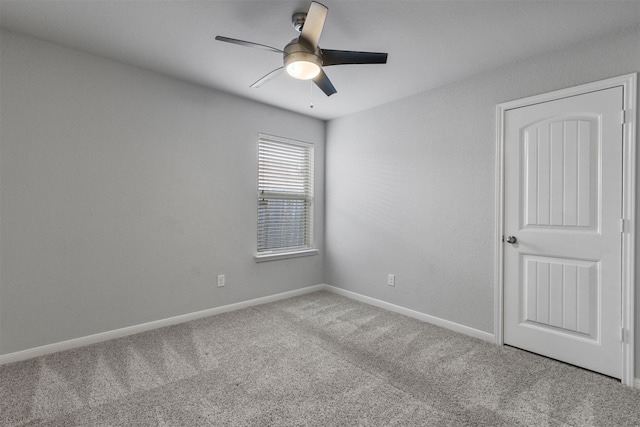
(485, 336)
(636, 383)
(130, 330)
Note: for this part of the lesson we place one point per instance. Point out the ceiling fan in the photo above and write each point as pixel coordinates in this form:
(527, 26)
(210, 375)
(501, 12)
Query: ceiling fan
(303, 58)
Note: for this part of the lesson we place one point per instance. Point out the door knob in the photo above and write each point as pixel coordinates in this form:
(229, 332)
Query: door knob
(511, 239)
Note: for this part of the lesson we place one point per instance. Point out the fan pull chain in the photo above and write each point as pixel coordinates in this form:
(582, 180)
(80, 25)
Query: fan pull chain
(311, 93)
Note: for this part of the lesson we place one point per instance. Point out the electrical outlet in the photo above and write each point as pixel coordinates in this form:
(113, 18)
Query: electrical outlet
(391, 280)
(220, 280)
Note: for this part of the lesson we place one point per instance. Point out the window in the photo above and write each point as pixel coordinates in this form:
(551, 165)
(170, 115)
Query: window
(285, 198)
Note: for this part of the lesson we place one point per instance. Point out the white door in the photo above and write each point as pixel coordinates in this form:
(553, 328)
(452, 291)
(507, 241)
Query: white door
(563, 205)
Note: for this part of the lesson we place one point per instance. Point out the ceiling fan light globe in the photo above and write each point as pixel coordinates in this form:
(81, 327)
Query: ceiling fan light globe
(303, 70)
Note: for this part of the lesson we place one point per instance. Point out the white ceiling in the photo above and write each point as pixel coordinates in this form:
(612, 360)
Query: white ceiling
(430, 43)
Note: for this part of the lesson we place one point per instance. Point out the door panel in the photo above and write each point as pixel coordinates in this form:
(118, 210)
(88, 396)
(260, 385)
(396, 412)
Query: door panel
(559, 294)
(560, 160)
(563, 202)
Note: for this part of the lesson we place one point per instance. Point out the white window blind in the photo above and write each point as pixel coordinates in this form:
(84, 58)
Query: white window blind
(285, 195)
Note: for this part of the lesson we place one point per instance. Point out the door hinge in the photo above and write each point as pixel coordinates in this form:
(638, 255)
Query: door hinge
(622, 225)
(623, 335)
(623, 117)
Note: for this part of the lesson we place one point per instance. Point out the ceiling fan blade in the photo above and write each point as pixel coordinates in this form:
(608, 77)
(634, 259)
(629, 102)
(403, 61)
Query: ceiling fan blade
(313, 24)
(323, 82)
(342, 57)
(268, 77)
(247, 44)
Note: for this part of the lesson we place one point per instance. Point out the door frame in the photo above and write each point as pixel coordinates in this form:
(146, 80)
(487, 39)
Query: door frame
(629, 84)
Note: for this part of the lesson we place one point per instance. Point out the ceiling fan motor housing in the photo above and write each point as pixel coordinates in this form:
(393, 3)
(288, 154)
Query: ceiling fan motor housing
(296, 52)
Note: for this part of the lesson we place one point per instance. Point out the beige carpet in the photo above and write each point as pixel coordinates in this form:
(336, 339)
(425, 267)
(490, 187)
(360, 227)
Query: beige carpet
(317, 360)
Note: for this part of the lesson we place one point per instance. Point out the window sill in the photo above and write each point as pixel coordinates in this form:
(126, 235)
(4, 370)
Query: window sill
(274, 256)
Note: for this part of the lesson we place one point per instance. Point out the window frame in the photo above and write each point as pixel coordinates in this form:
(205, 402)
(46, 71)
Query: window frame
(308, 248)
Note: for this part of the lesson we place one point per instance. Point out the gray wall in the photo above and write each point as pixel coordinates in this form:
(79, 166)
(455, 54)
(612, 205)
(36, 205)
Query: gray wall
(411, 185)
(124, 193)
